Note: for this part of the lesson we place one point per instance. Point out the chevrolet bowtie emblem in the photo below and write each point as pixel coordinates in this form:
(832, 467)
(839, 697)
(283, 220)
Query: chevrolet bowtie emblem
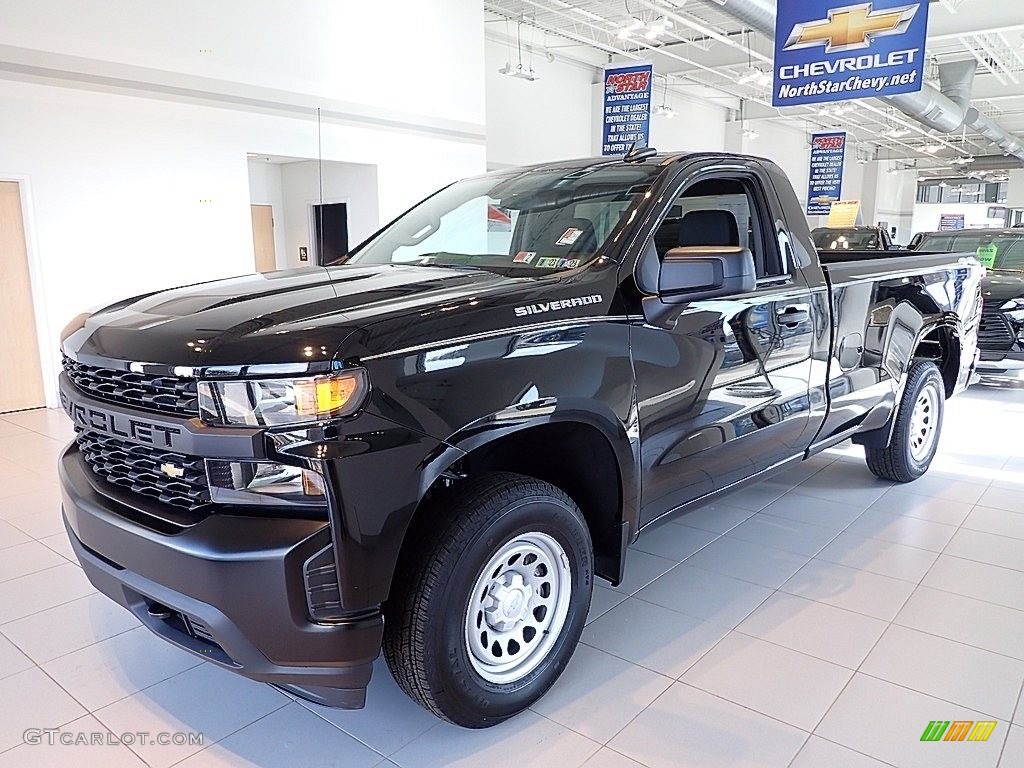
(172, 470)
(851, 27)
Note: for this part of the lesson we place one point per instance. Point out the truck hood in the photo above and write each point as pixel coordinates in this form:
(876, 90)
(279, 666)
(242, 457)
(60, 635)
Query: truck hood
(1002, 285)
(292, 316)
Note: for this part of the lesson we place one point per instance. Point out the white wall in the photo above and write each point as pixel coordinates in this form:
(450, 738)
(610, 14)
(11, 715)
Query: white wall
(136, 186)
(928, 215)
(698, 125)
(351, 183)
(265, 189)
(782, 143)
(890, 197)
(533, 122)
(422, 57)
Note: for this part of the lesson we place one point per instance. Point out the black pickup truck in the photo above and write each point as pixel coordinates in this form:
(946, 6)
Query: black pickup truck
(1001, 333)
(852, 239)
(436, 446)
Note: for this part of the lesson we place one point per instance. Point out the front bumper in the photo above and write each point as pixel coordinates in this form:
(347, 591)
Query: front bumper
(228, 589)
(1008, 370)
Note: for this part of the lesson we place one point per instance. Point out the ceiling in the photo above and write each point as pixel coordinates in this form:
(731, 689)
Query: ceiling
(706, 53)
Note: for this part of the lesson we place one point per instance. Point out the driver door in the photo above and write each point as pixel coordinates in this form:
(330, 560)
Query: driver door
(722, 383)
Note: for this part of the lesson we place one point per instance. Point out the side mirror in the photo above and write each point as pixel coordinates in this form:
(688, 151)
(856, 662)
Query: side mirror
(706, 272)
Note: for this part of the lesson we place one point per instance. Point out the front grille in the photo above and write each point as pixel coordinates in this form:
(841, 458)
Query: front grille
(164, 394)
(147, 471)
(995, 333)
(198, 629)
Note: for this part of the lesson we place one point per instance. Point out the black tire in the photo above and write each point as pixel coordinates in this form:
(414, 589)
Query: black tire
(897, 461)
(426, 635)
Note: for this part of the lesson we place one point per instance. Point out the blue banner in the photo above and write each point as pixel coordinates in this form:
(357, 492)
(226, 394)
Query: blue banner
(828, 155)
(833, 53)
(627, 108)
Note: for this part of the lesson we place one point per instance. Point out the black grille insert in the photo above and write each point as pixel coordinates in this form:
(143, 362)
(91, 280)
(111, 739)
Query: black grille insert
(164, 394)
(171, 478)
(995, 333)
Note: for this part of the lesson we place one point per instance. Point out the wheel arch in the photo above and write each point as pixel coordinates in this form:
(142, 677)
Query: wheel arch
(938, 341)
(586, 454)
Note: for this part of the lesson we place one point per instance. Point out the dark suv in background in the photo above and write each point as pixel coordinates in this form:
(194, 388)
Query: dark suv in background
(1001, 337)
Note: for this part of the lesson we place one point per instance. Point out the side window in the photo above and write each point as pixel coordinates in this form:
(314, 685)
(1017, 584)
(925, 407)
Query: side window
(720, 212)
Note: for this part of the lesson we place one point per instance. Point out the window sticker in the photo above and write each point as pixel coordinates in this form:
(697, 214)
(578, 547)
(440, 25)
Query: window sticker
(571, 263)
(549, 263)
(987, 255)
(525, 257)
(570, 236)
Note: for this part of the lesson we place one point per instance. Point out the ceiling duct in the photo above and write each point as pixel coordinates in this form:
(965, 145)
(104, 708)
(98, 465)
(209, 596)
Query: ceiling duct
(945, 111)
(993, 163)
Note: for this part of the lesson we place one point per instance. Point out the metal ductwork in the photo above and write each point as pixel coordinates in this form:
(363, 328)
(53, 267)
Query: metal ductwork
(993, 163)
(945, 111)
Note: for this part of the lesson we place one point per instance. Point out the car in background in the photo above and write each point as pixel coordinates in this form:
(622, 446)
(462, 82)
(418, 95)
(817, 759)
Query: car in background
(1001, 336)
(852, 239)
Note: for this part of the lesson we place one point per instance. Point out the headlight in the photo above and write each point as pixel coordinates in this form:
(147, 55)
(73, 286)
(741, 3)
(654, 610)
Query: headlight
(263, 482)
(273, 402)
(1015, 309)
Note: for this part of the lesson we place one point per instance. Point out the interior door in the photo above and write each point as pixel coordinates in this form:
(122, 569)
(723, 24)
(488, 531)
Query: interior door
(263, 238)
(722, 384)
(21, 383)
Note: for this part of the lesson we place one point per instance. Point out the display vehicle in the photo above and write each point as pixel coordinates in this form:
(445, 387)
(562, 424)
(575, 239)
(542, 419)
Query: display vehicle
(436, 446)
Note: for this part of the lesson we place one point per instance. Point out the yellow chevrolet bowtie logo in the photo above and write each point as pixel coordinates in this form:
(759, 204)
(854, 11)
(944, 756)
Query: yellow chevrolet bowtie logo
(851, 27)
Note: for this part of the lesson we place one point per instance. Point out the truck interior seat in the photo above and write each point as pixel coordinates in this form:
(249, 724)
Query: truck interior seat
(714, 228)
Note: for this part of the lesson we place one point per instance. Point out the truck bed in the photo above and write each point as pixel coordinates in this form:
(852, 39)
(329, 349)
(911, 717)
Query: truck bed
(852, 265)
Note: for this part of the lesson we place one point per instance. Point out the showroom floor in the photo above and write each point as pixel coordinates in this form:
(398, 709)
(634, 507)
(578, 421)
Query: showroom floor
(822, 618)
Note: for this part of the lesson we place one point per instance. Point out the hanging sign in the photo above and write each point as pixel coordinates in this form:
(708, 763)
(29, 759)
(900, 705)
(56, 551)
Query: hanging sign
(826, 52)
(949, 222)
(828, 155)
(626, 119)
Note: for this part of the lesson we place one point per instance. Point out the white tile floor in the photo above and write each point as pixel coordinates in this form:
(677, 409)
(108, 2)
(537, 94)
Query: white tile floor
(820, 619)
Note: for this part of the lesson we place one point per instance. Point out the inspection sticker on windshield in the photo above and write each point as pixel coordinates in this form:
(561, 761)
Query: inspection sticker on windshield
(549, 263)
(987, 254)
(524, 257)
(570, 236)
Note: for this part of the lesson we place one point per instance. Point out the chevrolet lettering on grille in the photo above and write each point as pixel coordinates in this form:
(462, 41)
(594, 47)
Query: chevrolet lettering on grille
(98, 420)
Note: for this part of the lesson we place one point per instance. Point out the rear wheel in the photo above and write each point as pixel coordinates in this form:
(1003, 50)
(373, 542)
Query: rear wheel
(915, 437)
(489, 606)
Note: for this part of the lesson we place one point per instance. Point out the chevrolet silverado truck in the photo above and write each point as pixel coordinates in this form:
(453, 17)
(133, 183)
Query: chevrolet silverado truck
(1001, 334)
(436, 446)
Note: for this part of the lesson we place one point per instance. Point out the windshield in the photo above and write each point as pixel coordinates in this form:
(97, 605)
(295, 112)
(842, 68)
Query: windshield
(845, 239)
(996, 250)
(522, 222)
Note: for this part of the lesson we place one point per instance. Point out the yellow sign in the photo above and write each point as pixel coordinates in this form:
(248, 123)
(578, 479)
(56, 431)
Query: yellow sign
(844, 213)
(851, 28)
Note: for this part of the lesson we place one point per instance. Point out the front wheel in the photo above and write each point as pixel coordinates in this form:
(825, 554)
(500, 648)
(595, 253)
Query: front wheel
(915, 437)
(489, 606)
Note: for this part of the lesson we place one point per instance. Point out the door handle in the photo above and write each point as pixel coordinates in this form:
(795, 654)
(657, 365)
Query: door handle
(793, 315)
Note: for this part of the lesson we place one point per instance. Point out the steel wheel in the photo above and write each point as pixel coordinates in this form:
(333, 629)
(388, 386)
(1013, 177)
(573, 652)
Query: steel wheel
(923, 423)
(518, 607)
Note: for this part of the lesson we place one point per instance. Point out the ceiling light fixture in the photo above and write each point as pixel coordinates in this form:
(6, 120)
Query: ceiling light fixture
(520, 71)
(931, 149)
(627, 31)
